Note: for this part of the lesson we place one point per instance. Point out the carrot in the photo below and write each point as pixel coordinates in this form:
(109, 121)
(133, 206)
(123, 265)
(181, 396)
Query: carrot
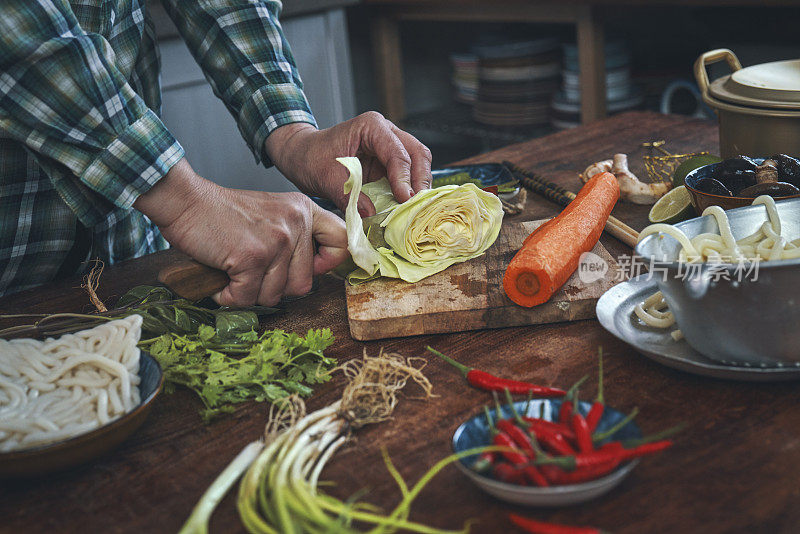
(551, 254)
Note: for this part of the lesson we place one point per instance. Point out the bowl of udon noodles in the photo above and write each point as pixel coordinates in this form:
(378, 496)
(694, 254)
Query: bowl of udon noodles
(730, 281)
(68, 400)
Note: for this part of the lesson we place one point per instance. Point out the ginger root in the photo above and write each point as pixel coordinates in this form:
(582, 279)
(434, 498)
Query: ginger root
(630, 187)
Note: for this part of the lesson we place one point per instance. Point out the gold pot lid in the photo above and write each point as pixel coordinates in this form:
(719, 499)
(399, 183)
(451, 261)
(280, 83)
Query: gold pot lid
(769, 85)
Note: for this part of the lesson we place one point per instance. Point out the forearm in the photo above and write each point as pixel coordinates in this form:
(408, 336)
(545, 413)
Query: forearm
(284, 149)
(179, 191)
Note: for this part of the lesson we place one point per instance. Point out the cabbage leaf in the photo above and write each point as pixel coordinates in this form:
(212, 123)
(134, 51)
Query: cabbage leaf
(426, 234)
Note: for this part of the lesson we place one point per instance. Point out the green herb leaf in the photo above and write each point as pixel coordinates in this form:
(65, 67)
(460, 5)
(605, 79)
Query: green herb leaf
(230, 323)
(143, 294)
(224, 367)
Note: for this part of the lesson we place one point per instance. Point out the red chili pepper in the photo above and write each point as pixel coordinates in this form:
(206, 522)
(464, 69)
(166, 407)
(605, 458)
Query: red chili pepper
(595, 458)
(647, 448)
(596, 412)
(582, 433)
(535, 476)
(658, 436)
(488, 382)
(587, 473)
(518, 435)
(493, 189)
(540, 527)
(551, 473)
(484, 462)
(508, 473)
(611, 446)
(522, 424)
(501, 439)
(535, 424)
(565, 412)
(555, 443)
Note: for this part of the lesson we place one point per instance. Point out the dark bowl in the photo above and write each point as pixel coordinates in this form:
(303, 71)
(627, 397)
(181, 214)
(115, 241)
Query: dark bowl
(59, 455)
(702, 200)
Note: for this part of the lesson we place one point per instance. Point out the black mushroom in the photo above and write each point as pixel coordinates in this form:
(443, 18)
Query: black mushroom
(788, 168)
(736, 173)
(739, 163)
(773, 189)
(767, 172)
(713, 186)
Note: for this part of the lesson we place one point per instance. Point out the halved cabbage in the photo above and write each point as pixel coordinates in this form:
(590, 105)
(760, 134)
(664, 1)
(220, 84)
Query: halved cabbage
(426, 234)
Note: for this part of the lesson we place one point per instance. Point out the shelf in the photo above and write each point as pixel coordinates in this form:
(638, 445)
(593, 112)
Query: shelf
(456, 119)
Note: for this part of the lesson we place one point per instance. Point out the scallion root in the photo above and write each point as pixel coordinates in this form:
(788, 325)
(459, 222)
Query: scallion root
(279, 492)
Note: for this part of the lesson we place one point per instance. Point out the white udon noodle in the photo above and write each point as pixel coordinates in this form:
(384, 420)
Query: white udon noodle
(58, 388)
(766, 244)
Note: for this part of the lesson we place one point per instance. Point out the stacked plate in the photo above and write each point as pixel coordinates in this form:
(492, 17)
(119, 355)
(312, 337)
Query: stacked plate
(621, 94)
(516, 82)
(465, 77)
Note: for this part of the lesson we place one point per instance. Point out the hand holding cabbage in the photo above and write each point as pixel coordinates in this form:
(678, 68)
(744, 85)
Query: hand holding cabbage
(426, 234)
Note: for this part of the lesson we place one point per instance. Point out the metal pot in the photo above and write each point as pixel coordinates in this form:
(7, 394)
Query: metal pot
(758, 106)
(741, 317)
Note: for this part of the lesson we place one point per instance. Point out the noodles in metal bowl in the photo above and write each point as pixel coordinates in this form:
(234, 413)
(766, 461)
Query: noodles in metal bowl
(730, 279)
(66, 400)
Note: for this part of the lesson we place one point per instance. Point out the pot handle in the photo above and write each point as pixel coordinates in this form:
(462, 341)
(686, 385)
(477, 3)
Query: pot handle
(713, 56)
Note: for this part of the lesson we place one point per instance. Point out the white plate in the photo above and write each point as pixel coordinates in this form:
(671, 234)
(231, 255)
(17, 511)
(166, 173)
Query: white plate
(615, 313)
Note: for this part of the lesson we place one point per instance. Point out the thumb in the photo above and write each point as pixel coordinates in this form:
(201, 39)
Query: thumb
(330, 234)
(365, 206)
(242, 289)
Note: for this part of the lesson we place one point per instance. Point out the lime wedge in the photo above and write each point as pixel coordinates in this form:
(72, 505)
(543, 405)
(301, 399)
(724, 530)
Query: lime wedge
(675, 206)
(691, 164)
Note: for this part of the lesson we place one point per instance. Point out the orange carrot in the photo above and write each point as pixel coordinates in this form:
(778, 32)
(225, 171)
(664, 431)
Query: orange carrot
(551, 254)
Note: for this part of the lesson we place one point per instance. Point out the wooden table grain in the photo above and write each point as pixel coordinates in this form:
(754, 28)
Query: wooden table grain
(735, 469)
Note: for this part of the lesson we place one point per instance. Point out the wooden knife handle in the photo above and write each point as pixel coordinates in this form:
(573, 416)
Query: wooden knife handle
(193, 280)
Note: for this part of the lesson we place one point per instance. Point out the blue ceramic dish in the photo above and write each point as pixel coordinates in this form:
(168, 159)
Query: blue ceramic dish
(79, 449)
(488, 174)
(475, 433)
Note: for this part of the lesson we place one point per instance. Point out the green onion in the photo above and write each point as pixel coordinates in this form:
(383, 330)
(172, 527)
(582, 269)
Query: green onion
(198, 521)
(279, 492)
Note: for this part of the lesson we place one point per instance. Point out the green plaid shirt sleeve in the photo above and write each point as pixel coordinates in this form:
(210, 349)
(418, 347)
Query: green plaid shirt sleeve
(247, 61)
(63, 97)
(80, 133)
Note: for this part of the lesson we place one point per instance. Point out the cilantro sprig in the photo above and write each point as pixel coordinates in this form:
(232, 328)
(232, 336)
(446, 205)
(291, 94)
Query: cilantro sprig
(225, 368)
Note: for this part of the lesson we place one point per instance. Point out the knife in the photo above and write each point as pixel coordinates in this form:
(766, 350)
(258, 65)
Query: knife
(192, 280)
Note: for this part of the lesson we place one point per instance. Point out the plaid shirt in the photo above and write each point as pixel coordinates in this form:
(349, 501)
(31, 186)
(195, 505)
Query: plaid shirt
(80, 134)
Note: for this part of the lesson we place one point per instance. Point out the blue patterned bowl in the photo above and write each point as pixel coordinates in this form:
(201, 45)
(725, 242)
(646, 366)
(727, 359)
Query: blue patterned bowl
(475, 433)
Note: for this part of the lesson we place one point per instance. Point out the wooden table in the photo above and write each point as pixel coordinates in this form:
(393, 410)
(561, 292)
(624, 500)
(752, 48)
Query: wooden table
(736, 468)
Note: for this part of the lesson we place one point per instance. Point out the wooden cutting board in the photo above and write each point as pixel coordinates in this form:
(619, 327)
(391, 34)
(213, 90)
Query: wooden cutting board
(469, 296)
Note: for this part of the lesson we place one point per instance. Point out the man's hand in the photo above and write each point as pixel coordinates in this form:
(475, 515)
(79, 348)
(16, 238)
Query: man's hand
(264, 241)
(307, 157)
